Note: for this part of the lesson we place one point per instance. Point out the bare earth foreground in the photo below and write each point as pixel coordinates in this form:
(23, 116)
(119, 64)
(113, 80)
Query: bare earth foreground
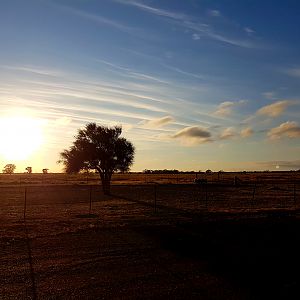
(188, 247)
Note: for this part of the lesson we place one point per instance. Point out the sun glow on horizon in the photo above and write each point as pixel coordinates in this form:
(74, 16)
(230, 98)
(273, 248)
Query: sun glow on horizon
(20, 137)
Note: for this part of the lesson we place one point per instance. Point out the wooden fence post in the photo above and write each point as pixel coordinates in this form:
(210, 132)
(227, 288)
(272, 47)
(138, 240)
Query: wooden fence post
(295, 204)
(253, 194)
(206, 196)
(155, 192)
(25, 202)
(90, 195)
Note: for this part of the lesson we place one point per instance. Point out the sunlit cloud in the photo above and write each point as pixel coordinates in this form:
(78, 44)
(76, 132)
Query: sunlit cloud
(275, 109)
(226, 108)
(228, 133)
(246, 132)
(287, 129)
(156, 123)
(193, 135)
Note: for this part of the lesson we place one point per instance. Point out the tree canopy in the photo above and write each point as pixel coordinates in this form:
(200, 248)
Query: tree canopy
(9, 169)
(99, 148)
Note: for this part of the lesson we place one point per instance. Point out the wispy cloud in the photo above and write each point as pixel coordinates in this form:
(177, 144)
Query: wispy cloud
(132, 73)
(287, 129)
(63, 121)
(35, 70)
(275, 109)
(153, 10)
(196, 36)
(269, 95)
(100, 20)
(293, 72)
(249, 30)
(188, 23)
(159, 122)
(193, 135)
(214, 13)
(183, 72)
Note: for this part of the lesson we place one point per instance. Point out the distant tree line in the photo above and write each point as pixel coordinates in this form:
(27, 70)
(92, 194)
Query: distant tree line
(167, 171)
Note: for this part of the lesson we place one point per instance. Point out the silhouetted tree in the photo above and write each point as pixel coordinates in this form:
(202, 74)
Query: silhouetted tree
(9, 169)
(45, 171)
(29, 170)
(101, 149)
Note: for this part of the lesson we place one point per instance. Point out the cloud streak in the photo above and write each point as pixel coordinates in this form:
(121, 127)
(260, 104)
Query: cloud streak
(159, 122)
(186, 22)
(293, 72)
(100, 20)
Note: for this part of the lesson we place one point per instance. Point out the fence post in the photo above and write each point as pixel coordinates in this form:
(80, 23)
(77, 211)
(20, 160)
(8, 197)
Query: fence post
(206, 196)
(155, 192)
(90, 194)
(253, 194)
(139, 192)
(25, 202)
(295, 204)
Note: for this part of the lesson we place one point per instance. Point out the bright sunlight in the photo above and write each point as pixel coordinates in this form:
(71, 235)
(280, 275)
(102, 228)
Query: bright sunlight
(20, 137)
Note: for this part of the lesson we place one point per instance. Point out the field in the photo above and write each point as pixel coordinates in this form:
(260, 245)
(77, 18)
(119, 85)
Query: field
(155, 237)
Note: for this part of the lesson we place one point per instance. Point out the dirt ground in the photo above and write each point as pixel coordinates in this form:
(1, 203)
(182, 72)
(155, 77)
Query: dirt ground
(125, 249)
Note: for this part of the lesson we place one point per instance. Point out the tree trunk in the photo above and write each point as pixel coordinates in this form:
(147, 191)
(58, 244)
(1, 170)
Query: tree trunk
(105, 179)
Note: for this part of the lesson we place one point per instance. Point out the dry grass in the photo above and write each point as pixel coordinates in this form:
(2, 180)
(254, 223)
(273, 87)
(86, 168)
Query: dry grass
(198, 244)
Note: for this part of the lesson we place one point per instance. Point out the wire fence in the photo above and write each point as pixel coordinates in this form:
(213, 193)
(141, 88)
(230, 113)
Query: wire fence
(39, 201)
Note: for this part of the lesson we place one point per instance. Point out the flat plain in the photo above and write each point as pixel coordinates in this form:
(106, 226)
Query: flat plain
(156, 237)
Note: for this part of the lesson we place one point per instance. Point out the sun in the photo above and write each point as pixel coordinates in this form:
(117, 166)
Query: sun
(20, 137)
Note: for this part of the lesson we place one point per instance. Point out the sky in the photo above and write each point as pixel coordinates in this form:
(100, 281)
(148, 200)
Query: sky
(195, 84)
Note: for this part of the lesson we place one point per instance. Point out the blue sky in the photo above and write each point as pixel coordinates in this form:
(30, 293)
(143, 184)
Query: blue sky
(195, 84)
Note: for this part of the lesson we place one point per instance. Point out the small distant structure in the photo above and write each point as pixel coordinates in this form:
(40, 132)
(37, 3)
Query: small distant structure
(200, 181)
(208, 171)
(29, 170)
(45, 171)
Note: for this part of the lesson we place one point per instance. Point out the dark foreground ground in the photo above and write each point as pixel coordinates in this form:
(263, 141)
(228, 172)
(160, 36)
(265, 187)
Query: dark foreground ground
(126, 251)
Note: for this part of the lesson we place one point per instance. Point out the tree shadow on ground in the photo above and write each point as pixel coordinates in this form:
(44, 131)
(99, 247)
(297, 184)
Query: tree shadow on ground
(261, 256)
